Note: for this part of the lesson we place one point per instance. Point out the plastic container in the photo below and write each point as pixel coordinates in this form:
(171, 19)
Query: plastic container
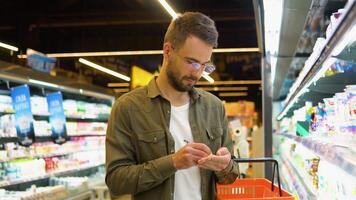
(257, 188)
(253, 188)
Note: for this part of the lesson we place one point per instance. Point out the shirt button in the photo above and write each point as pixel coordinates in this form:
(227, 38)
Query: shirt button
(168, 111)
(172, 150)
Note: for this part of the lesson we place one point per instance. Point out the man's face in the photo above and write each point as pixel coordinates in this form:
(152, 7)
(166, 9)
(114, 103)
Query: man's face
(181, 74)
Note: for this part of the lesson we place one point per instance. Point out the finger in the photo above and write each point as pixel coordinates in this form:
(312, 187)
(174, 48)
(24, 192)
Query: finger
(206, 159)
(201, 146)
(222, 151)
(196, 152)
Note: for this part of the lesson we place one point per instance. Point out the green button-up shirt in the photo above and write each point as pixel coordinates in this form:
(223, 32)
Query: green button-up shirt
(139, 146)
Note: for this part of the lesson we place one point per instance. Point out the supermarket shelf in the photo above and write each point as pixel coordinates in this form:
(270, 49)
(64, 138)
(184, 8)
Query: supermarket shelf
(86, 119)
(327, 86)
(6, 113)
(348, 54)
(86, 135)
(296, 181)
(103, 118)
(334, 154)
(4, 140)
(303, 176)
(58, 173)
(52, 154)
(311, 69)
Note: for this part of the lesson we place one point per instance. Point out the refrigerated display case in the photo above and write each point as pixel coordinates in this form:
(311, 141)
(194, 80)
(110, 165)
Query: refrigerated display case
(45, 169)
(316, 136)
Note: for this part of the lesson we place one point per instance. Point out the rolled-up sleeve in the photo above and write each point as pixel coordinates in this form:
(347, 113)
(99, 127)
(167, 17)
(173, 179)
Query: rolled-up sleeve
(231, 172)
(124, 175)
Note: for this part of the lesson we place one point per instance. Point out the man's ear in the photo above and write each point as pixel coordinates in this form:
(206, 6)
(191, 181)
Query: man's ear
(167, 48)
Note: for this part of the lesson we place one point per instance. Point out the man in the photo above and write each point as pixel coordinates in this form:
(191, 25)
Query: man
(169, 140)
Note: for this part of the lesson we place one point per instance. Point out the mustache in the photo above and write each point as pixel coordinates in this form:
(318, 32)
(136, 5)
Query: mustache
(192, 78)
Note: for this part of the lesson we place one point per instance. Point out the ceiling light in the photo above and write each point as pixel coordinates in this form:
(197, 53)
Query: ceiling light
(121, 90)
(224, 88)
(242, 82)
(43, 83)
(208, 78)
(233, 94)
(103, 69)
(7, 46)
(168, 8)
(133, 53)
(227, 50)
(118, 85)
(273, 10)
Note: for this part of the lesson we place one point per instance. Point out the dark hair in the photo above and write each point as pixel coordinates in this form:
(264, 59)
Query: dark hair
(191, 24)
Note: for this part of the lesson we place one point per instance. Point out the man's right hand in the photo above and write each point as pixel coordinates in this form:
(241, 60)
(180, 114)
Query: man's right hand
(189, 155)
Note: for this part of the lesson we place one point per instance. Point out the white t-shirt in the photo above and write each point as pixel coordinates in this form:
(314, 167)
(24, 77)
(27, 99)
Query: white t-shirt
(187, 182)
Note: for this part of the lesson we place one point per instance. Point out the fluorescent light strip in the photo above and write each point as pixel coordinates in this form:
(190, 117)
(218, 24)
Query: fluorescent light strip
(118, 85)
(224, 88)
(133, 53)
(227, 50)
(43, 83)
(242, 82)
(121, 90)
(208, 78)
(233, 94)
(168, 8)
(103, 69)
(273, 10)
(7, 46)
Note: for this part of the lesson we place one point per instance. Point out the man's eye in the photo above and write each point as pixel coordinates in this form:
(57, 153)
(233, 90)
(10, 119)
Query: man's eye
(190, 61)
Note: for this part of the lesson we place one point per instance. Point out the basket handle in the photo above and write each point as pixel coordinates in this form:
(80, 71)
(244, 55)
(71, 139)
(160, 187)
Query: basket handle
(263, 160)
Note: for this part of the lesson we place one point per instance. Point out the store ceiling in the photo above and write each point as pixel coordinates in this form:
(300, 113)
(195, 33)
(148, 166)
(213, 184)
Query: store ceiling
(118, 25)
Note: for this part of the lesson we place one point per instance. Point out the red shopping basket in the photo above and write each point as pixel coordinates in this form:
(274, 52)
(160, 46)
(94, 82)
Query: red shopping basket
(254, 188)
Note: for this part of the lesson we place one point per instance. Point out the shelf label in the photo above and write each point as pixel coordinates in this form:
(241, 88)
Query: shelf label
(39, 61)
(57, 118)
(23, 115)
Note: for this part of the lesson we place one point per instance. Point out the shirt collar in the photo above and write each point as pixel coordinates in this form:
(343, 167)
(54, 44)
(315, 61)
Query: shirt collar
(153, 90)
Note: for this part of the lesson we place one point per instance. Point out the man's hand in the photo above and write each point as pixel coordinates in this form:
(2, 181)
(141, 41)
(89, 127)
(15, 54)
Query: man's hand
(216, 162)
(189, 155)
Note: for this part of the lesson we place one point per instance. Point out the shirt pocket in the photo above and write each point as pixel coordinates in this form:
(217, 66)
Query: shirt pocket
(214, 135)
(151, 145)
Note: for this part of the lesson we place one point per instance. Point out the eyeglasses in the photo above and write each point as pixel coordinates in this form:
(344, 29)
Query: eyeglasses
(208, 67)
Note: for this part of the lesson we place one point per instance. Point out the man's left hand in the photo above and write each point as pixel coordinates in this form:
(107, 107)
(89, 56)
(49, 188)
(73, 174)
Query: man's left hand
(216, 162)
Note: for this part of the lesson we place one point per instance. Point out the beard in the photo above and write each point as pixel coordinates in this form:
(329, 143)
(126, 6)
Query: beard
(176, 81)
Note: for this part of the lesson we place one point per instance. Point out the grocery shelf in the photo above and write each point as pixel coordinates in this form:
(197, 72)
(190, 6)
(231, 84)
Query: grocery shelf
(4, 140)
(303, 190)
(348, 19)
(291, 180)
(57, 173)
(103, 118)
(86, 135)
(51, 154)
(348, 54)
(87, 119)
(302, 175)
(329, 151)
(6, 113)
(333, 84)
